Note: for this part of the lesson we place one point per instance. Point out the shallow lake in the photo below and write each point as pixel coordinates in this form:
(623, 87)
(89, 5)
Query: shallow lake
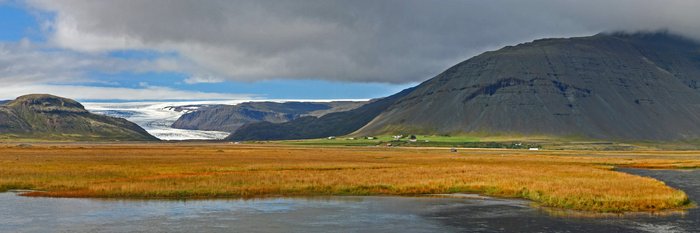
(331, 214)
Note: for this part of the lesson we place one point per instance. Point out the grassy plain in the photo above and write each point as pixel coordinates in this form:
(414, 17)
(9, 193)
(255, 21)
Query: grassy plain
(422, 140)
(580, 180)
(486, 141)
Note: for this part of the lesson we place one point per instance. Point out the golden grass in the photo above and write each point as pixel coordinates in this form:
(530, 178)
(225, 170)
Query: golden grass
(563, 179)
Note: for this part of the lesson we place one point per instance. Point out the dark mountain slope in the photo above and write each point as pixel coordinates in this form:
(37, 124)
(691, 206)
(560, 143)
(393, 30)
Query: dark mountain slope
(338, 123)
(51, 117)
(229, 117)
(608, 86)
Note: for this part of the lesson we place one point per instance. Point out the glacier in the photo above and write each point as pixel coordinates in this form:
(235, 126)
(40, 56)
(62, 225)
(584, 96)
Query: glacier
(156, 117)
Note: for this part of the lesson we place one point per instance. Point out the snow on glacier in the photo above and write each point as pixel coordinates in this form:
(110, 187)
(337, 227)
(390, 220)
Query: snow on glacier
(156, 117)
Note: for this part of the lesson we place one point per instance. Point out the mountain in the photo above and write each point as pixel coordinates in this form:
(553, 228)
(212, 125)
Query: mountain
(41, 116)
(641, 86)
(228, 118)
(332, 124)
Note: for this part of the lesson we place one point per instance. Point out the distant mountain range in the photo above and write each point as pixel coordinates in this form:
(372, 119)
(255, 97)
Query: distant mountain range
(643, 86)
(50, 117)
(230, 117)
(332, 124)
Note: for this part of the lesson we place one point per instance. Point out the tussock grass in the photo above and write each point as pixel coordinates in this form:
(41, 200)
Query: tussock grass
(563, 179)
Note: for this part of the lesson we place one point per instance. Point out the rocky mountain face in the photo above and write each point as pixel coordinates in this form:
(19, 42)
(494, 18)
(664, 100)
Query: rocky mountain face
(229, 118)
(40, 116)
(331, 124)
(643, 86)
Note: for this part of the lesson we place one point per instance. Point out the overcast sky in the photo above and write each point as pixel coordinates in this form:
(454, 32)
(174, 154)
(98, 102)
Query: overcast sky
(170, 49)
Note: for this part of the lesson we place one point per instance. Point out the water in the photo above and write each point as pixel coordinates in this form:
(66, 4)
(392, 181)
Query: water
(330, 214)
(347, 214)
(509, 219)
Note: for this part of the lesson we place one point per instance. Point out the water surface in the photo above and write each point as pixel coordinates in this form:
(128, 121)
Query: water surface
(330, 214)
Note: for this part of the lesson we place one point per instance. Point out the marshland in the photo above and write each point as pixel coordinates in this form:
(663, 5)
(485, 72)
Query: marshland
(576, 180)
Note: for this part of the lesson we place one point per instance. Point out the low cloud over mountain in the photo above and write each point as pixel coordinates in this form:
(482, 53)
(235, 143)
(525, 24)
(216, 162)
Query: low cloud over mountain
(367, 41)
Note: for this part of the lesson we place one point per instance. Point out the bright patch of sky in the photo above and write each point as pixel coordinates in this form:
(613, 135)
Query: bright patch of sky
(267, 89)
(16, 23)
(140, 54)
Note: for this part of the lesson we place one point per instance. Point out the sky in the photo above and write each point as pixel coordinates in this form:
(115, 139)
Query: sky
(284, 49)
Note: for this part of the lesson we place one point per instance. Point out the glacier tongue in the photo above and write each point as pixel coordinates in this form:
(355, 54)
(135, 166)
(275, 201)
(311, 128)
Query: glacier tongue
(156, 117)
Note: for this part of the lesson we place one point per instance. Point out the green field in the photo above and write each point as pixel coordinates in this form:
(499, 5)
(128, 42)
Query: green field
(420, 141)
(504, 141)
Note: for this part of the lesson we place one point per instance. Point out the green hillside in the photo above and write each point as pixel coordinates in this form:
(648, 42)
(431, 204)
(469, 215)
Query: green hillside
(48, 117)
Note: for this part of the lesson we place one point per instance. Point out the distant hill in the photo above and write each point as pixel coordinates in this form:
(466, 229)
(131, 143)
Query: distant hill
(332, 124)
(643, 86)
(49, 117)
(228, 118)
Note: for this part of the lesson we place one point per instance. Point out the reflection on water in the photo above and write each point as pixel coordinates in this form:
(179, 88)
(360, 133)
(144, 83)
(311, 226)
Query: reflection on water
(347, 214)
(331, 214)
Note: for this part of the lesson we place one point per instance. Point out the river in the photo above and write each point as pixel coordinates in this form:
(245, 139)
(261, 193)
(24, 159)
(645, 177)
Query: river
(331, 214)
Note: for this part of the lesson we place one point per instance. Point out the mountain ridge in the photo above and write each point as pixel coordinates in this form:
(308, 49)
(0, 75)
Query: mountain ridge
(229, 118)
(640, 86)
(332, 124)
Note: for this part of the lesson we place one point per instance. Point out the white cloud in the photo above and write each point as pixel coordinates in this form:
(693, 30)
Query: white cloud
(27, 68)
(67, 34)
(102, 93)
(27, 62)
(203, 79)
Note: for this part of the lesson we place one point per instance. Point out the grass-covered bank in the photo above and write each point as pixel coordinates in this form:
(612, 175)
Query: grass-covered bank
(495, 141)
(413, 141)
(563, 179)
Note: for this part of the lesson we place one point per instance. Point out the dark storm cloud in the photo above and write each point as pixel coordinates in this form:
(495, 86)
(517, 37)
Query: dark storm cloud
(396, 41)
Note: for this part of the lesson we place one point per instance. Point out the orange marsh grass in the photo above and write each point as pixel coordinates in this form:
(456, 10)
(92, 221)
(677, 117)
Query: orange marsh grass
(563, 179)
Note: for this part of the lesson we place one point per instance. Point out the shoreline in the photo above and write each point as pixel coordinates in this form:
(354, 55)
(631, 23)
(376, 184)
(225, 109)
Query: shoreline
(554, 211)
(551, 211)
(193, 172)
